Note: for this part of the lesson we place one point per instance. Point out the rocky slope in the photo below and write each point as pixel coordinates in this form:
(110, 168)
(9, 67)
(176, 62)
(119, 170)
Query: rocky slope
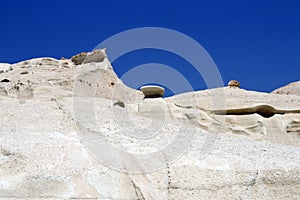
(61, 124)
(292, 88)
(256, 115)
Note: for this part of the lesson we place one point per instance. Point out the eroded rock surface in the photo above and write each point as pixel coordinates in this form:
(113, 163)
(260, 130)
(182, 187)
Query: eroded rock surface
(5, 67)
(262, 110)
(152, 91)
(290, 89)
(58, 117)
(47, 78)
(234, 84)
(97, 55)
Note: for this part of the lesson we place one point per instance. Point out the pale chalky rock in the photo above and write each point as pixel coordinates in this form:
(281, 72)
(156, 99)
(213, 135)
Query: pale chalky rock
(154, 107)
(42, 156)
(234, 84)
(256, 115)
(58, 124)
(47, 78)
(4, 67)
(290, 89)
(152, 91)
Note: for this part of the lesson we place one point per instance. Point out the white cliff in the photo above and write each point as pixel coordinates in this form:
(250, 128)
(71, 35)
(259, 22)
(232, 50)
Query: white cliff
(61, 121)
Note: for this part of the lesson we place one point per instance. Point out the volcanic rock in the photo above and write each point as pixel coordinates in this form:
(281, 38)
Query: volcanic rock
(61, 137)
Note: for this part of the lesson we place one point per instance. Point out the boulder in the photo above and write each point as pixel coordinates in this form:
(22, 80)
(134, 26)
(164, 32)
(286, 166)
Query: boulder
(97, 55)
(290, 89)
(234, 84)
(152, 91)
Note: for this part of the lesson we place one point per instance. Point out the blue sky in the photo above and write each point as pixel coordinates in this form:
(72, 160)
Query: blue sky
(255, 42)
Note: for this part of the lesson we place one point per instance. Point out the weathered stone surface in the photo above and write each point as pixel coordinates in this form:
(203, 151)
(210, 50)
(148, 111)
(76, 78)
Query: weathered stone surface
(48, 78)
(43, 157)
(97, 55)
(79, 58)
(234, 84)
(237, 156)
(4, 67)
(152, 91)
(243, 118)
(157, 107)
(290, 89)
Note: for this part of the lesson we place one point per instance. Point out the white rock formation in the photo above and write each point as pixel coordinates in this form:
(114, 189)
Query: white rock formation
(249, 113)
(5, 67)
(52, 147)
(157, 107)
(292, 88)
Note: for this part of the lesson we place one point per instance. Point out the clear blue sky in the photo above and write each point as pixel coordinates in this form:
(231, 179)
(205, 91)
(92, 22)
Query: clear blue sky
(255, 42)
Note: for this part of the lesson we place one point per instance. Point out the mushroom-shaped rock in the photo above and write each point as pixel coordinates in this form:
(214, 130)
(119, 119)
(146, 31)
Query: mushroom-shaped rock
(234, 84)
(153, 91)
(155, 107)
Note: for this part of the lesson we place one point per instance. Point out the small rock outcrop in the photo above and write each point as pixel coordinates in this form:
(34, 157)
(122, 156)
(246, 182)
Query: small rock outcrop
(290, 89)
(4, 67)
(153, 91)
(97, 55)
(120, 103)
(153, 104)
(234, 84)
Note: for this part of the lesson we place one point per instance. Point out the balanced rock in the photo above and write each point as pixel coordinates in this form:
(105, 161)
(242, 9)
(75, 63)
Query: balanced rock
(155, 107)
(153, 91)
(97, 55)
(234, 84)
